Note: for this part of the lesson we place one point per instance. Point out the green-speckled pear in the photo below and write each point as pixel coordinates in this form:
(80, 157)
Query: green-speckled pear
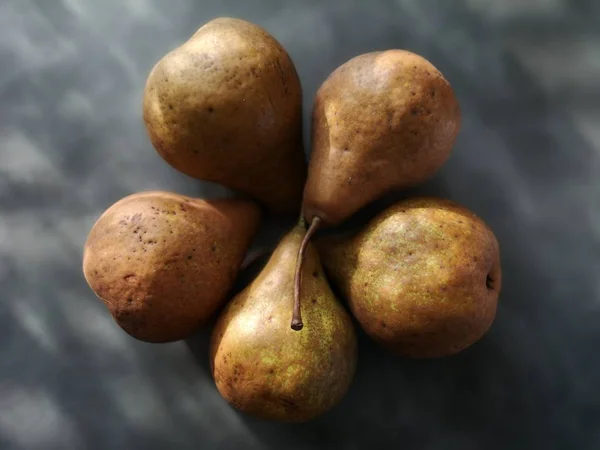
(263, 367)
(422, 278)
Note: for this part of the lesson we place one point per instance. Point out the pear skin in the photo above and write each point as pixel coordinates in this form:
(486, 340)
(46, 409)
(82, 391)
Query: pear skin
(263, 367)
(226, 107)
(422, 278)
(163, 263)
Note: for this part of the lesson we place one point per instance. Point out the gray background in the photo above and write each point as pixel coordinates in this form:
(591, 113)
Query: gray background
(72, 142)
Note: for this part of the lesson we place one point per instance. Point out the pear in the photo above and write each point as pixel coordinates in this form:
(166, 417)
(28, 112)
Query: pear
(264, 368)
(422, 278)
(226, 107)
(381, 122)
(163, 263)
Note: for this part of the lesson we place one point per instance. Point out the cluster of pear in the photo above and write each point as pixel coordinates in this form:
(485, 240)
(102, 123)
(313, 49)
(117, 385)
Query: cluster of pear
(422, 278)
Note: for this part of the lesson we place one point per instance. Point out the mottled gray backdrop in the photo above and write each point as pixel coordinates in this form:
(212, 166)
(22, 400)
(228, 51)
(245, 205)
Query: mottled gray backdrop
(527, 73)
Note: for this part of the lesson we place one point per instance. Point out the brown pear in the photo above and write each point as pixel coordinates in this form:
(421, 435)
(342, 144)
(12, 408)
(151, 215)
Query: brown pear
(264, 368)
(163, 263)
(422, 278)
(383, 121)
(226, 107)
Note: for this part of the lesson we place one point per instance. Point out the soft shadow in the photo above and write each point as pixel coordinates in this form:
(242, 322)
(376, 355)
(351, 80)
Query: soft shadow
(198, 344)
(394, 400)
(433, 187)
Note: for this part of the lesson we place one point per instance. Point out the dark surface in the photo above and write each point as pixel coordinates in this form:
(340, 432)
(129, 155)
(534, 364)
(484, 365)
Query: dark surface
(72, 142)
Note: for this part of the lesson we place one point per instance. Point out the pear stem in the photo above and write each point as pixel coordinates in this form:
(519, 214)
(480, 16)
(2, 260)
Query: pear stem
(297, 315)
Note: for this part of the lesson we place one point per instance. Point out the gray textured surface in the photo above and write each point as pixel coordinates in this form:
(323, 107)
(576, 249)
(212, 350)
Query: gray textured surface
(72, 142)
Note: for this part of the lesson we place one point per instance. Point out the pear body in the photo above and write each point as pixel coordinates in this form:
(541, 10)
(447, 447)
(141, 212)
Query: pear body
(226, 107)
(422, 278)
(163, 263)
(263, 367)
(382, 121)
